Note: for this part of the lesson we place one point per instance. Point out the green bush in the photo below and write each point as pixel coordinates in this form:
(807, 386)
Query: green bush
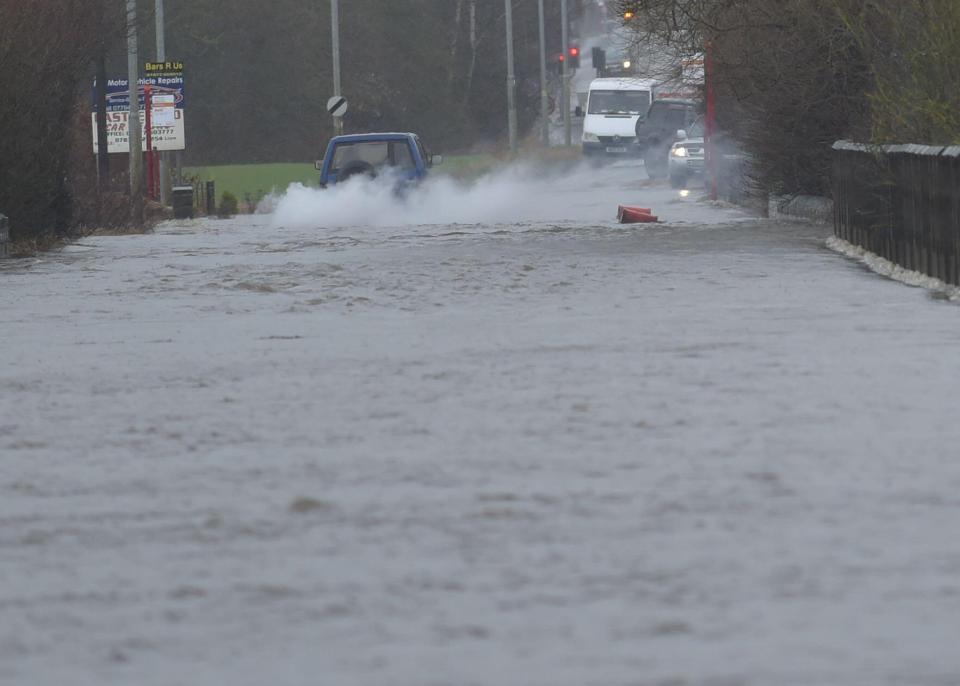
(913, 47)
(46, 49)
(228, 205)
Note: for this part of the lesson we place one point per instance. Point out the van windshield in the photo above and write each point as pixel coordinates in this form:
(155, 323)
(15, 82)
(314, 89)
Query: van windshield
(618, 102)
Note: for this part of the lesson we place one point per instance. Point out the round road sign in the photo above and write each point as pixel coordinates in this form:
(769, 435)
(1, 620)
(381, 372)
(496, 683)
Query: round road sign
(337, 105)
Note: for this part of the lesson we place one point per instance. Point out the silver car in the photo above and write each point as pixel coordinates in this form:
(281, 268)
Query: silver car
(687, 156)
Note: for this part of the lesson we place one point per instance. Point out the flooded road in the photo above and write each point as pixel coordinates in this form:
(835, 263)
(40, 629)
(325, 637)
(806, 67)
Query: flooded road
(437, 446)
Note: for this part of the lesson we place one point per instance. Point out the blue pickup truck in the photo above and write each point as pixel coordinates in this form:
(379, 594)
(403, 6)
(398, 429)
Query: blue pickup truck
(370, 154)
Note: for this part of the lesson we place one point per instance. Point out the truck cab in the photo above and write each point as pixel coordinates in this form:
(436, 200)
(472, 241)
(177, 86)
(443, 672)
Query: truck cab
(401, 155)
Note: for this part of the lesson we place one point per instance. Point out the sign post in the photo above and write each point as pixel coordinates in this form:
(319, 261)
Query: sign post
(335, 38)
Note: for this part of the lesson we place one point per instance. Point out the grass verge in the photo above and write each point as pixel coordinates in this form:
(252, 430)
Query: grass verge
(251, 182)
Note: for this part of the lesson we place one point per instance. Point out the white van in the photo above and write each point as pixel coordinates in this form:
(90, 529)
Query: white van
(610, 121)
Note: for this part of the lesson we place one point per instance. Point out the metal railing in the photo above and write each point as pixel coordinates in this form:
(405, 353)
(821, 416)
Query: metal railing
(4, 237)
(901, 202)
(205, 197)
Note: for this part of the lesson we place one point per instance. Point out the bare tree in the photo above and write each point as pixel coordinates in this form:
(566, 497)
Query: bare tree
(789, 76)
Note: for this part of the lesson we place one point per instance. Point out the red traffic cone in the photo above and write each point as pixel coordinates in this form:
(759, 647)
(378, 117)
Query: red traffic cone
(635, 215)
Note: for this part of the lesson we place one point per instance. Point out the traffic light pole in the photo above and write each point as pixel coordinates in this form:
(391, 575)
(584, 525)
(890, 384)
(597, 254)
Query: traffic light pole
(511, 80)
(565, 76)
(544, 113)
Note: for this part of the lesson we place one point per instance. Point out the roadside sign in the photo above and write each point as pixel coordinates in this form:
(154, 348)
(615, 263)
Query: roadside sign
(167, 137)
(164, 110)
(167, 112)
(161, 82)
(337, 105)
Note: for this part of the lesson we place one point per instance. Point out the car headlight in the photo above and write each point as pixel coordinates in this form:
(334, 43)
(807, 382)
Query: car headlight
(679, 151)
(590, 138)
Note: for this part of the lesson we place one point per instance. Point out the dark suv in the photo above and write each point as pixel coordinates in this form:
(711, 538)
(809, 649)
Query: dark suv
(369, 154)
(658, 131)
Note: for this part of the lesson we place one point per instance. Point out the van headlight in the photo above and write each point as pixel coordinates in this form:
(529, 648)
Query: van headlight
(590, 138)
(679, 151)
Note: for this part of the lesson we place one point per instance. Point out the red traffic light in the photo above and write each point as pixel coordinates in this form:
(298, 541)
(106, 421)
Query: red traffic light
(574, 52)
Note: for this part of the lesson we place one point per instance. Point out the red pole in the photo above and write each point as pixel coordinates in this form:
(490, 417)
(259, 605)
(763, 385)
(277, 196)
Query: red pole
(156, 174)
(148, 106)
(711, 122)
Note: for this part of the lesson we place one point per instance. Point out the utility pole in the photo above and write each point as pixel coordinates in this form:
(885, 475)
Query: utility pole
(544, 115)
(133, 120)
(161, 33)
(103, 154)
(511, 80)
(162, 57)
(335, 29)
(565, 77)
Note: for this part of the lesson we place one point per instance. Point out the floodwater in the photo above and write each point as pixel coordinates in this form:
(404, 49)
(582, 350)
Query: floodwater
(493, 438)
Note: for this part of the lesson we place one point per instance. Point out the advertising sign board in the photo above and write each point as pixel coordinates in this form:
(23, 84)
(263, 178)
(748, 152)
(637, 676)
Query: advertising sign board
(167, 111)
(118, 137)
(164, 110)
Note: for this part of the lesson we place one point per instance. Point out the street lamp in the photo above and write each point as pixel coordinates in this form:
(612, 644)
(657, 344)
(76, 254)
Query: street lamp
(511, 80)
